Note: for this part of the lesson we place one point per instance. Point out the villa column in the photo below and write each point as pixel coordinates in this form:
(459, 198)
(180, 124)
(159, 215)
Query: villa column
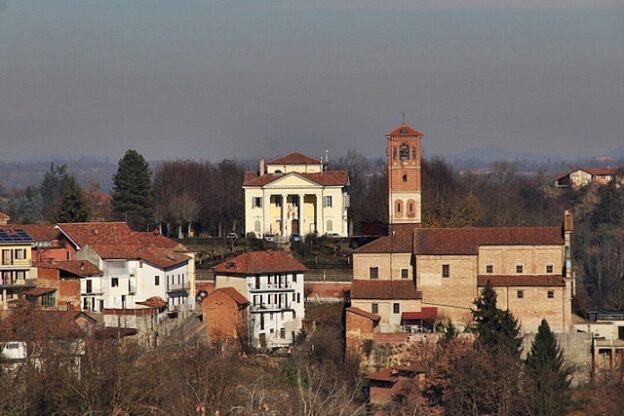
(318, 217)
(300, 215)
(266, 214)
(284, 216)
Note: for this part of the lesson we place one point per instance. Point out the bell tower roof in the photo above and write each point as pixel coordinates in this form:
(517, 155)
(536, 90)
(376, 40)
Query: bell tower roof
(404, 130)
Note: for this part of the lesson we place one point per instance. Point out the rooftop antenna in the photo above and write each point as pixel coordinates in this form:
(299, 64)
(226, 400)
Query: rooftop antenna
(403, 117)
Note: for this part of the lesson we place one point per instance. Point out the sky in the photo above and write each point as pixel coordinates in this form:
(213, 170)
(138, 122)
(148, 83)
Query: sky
(214, 79)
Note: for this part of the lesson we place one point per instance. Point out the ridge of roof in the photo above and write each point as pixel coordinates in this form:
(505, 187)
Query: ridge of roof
(294, 158)
(254, 262)
(327, 178)
(404, 130)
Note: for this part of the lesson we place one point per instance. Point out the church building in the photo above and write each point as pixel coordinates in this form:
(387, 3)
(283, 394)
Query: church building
(295, 194)
(416, 276)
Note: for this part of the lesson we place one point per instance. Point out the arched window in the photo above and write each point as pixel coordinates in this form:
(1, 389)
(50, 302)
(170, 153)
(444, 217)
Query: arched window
(398, 207)
(404, 152)
(405, 178)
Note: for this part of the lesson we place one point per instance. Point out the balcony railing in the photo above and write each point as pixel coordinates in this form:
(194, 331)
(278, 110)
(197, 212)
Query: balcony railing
(18, 282)
(271, 287)
(16, 262)
(269, 307)
(177, 287)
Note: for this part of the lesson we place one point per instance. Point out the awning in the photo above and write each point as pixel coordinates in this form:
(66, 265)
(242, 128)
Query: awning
(425, 314)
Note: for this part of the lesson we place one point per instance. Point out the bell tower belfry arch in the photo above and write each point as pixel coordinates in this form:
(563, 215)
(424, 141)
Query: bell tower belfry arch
(404, 153)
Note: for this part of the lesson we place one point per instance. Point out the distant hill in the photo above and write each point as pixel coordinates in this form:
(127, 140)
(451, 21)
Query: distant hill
(495, 153)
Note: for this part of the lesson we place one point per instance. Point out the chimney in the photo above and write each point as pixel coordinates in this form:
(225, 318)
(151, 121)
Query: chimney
(568, 222)
(82, 266)
(261, 167)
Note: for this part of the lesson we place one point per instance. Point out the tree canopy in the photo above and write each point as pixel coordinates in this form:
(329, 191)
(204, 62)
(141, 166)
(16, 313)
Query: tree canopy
(132, 197)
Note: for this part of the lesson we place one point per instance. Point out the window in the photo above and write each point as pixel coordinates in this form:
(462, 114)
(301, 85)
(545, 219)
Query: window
(298, 297)
(282, 333)
(404, 177)
(404, 273)
(294, 297)
(330, 226)
(156, 280)
(256, 299)
(404, 152)
(261, 321)
(114, 282)
(20, 254)
(398, 206)
(489, 269)
(446, 270)
(551, 294)
(294, 277)
(257, 281)
(123, 301)
(549, 268)
(257, 227)
(520, 294)
(396, 308)
(519, 268)
(257, 202)
(373, 273)
(89, 286)
(374, 308)
(328, 202)
(7, 257)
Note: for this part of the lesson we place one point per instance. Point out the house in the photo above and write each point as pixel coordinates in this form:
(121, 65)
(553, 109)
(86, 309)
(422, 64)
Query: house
(415, 276)
(272, 281)
(4, 218)
(58, 283)
(48, 243)
(294, 194)
(584, 176)
(135, 266)
(16, 272)
(393, 384)
(607, 330)
(225, 317)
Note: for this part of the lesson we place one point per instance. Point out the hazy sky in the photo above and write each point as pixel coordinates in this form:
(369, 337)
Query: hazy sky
(215, 79)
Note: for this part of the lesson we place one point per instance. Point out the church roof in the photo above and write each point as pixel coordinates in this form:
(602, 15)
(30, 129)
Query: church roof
(328, 178)
(461, 241)
(404, 130)
(384, 289)
(295, 158)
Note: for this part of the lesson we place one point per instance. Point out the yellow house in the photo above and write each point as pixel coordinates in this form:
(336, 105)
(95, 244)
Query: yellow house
(293, 194)
(16, 273)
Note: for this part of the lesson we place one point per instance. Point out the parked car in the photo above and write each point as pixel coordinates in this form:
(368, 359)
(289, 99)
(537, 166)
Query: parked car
(296, 238)
(333, 235)
(232, 236)
(269, 237)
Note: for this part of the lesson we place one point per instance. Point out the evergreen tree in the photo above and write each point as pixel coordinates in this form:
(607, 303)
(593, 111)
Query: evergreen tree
(132, 190)
(74, 206)
(52, 188)
(548, 376)
(495, 327)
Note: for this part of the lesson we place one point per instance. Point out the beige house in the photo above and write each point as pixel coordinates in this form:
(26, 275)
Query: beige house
(295, 195)
(585, 176)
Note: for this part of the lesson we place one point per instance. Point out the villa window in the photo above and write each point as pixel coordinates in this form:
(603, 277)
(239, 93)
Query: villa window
(551, 294)
(257, 202)
(489, 269)
(520, 294)
(114, 282)
(396, 308)
(374, 308)
(404, 273)
(446, 270)
(156, 280)
(328, 201)
(549, 268)
(330, 226)
(519, 268)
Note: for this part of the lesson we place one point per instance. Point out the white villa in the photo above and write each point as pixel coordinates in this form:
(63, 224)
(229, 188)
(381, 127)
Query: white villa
(272, 281)
(295, 195)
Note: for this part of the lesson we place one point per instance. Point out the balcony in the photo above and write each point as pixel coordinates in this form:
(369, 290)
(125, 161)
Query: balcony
(17, 283)
(16, 263)
(269, 307)
(272, 287)
(178, 287)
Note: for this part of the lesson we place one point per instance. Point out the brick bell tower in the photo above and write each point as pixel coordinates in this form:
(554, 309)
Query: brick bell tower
(404, 152)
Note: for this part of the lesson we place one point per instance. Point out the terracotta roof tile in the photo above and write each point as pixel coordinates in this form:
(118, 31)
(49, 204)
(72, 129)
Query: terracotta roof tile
(40, 232)
(365, 314)
(83, 233)
(234, 294)
(260, 262)
(81, 268)
(525, 281)
(39, 291)
(155, 302)
(426, 313)
(327, 178)
(384, 289)
(458, 241)
(294, 158)
(161, 257)
(4, 217)
(49, 324)
(404, 130)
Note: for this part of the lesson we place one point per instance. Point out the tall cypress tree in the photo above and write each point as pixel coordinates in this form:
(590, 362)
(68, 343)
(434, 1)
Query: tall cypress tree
(132, 190)
(74, 206)
(548, 376)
